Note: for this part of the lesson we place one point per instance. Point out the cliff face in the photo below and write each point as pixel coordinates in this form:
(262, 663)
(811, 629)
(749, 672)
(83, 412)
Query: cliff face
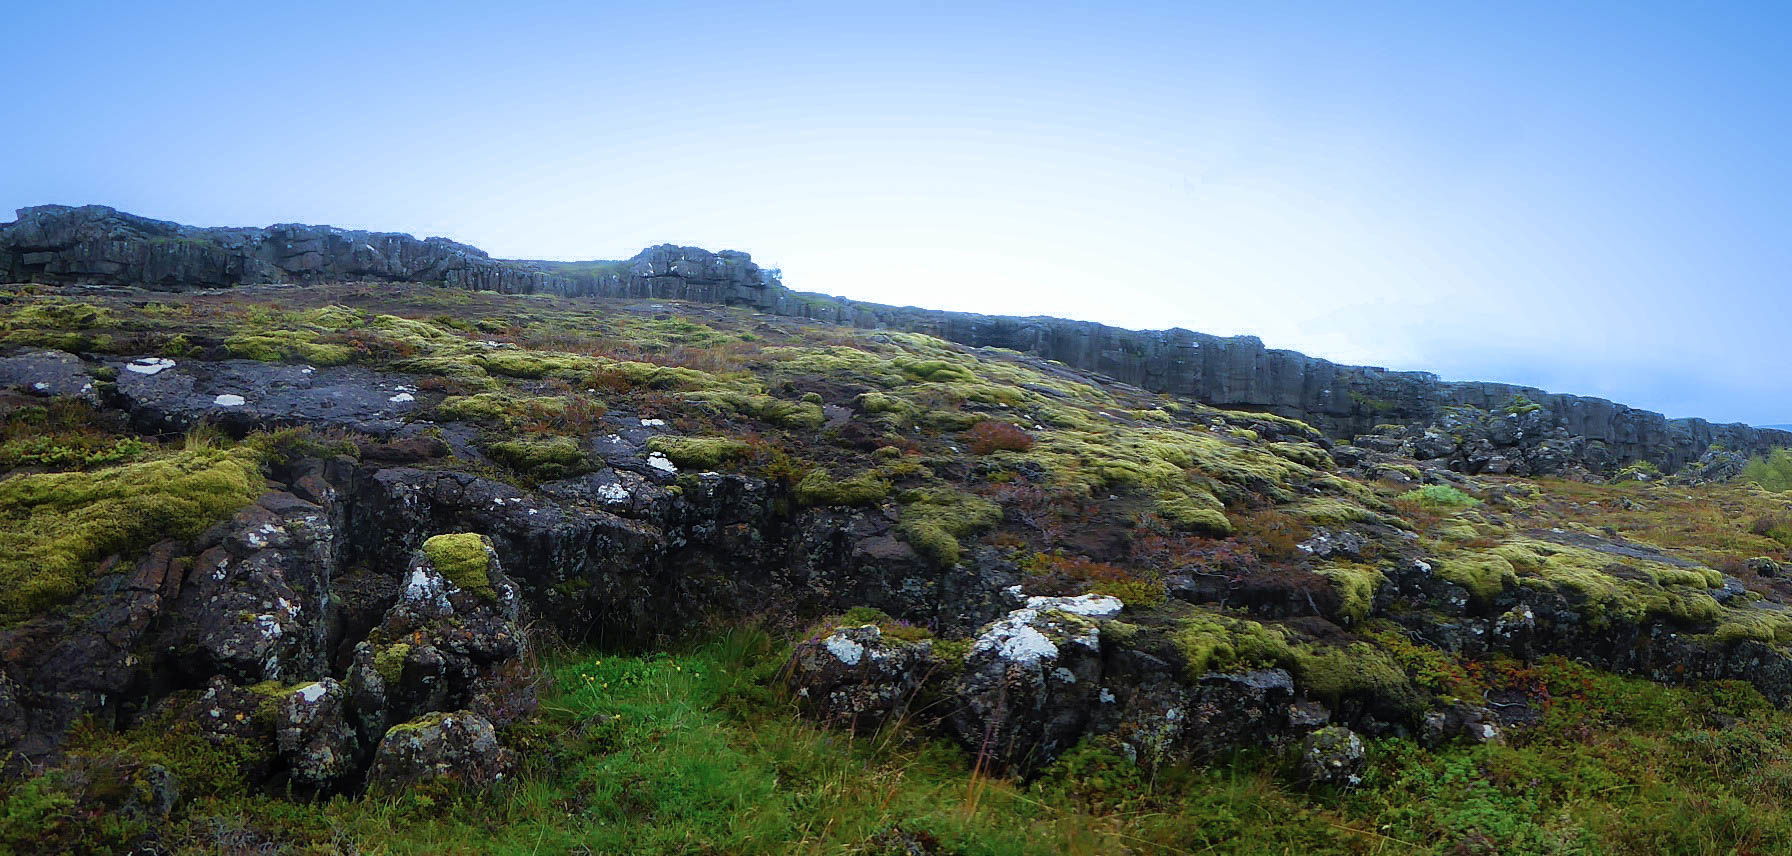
(96, 244)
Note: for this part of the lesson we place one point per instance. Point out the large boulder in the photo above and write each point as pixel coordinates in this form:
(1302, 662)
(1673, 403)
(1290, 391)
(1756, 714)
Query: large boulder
(459, 747)
(859, 677)
(1031, 681)
(451, 641)
(312, 733)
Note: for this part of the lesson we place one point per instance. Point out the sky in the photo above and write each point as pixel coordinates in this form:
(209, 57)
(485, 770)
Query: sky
(1586, 197)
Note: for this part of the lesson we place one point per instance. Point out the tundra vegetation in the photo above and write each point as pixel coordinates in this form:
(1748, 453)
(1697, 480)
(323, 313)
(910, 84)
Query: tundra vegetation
(1234, 542)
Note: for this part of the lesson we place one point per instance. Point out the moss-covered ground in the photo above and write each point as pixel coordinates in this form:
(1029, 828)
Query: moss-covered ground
(1084, 486)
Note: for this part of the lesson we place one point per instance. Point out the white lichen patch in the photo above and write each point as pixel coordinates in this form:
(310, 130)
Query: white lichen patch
(845, 650)
(402, 398)
(310, 693)
(423, 585)
(1087, 605)
(229, 400)
(1014, 638)
(661, 462)
(612, 493)
(149, 365)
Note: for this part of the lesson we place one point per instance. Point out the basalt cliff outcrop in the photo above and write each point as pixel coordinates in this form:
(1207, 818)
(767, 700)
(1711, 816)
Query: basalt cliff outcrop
(96, 244)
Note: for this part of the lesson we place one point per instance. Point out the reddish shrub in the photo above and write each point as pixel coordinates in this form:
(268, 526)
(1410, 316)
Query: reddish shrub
(987, 436)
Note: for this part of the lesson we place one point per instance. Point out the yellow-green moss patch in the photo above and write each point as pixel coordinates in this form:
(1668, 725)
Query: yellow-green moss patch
(934, 519)
(819, 487)
(463, 559)
(54, 527)
(698, 452)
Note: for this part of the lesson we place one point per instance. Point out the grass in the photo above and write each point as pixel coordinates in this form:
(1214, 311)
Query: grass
(692, 752)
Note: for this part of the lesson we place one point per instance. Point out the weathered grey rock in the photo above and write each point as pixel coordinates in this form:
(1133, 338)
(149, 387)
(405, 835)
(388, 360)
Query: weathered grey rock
(1716, 465)
(444, 646)
(164, 394)
(859, 678)
(313, 735)
(1032, 681)
(253, 606)
(1334, 756)
(1468, 723)
(47, 373)
(459, 746)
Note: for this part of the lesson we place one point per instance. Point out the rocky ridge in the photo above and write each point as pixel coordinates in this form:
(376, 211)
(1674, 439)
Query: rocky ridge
(95, 244)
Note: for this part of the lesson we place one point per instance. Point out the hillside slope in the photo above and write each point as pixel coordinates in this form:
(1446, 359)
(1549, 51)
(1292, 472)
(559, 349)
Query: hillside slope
(298, 566)
(95, 244)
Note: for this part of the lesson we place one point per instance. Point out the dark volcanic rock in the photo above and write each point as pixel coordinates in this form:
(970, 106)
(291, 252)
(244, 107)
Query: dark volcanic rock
(96, 244)
(1332, 756)
(859, 678)
(461, 747)
(47, 373)
(164, 394)
(442, 646)
(1031, 682)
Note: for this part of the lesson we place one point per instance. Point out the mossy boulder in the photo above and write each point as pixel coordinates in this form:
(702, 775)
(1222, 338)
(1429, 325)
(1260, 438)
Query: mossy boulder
(464, 559)
(458, 748)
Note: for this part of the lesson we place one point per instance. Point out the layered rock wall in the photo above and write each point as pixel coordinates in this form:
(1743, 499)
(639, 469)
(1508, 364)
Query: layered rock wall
(95, 244)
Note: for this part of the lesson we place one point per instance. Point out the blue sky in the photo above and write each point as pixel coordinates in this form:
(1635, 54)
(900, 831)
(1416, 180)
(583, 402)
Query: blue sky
(1592, 199)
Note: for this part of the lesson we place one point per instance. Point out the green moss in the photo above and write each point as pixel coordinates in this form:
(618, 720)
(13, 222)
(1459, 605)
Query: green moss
(860, 616)
(464, 559)
(1305, 454)
(1211, 642)
(536, 364)
(1520, 405)
(698, 452)
(878, 402)
(1614, 588)
(388, 661)
(1356, 586)
(1483, 574)
(934, 519)
(1440, 496)
(483, 407)
(288, 346)
(1357, 670)
(790, 414)
(540, 457)
(819, 487)
(934, 370)
(1332, 511)
(1197, 512)
(54, 527)
(59, 315)
(1137, 594)
(462, 369)
(1459, 532)
(650, 376)
(428, 720)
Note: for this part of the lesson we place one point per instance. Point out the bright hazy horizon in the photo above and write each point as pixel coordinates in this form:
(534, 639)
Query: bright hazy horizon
(1592, 201)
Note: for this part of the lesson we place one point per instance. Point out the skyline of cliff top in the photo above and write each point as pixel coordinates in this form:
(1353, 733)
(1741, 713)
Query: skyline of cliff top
(1587, 198)
(67, 222)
